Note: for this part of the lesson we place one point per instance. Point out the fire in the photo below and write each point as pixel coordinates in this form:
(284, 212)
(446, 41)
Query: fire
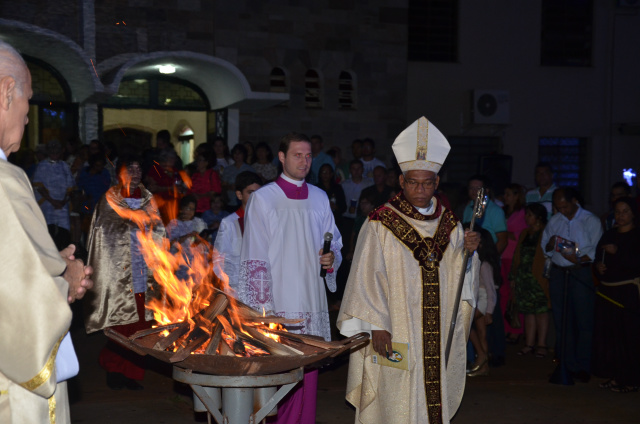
(185, 179)
(185, 299)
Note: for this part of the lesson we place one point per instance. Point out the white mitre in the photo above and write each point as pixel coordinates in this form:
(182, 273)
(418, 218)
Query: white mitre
(421, 146)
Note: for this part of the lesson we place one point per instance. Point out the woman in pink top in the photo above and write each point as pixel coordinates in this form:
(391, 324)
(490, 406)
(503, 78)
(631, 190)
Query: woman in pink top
(206, 182)
(514, 202)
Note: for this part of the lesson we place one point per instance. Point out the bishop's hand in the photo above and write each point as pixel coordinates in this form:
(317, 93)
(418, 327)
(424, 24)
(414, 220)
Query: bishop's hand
(471, 241)
(381, 342)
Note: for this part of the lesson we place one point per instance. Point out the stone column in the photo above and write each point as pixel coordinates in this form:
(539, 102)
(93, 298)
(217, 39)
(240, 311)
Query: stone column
(88, 122)
(233, 127)
(88, 112)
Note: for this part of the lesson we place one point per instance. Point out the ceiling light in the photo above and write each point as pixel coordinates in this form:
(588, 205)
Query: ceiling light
(166, 69)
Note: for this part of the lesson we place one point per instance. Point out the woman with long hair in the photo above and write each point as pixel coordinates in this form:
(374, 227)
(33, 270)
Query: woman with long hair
(221, 152)
(264, 163)
(530, 287)
(616, 346)
(205, 183)
(335, 193)
(514, 201)
(489, 278)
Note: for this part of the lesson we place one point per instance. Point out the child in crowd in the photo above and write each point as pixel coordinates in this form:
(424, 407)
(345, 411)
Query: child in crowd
(490, 277)
(229, 240)
(214, 215)
(185, 230)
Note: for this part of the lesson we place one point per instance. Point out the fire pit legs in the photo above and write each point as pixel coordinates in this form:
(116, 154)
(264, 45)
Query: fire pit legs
(238, 393)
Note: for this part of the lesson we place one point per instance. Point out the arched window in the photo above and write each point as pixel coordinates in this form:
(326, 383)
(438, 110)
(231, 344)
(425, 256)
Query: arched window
(313, 90)
(346, 91)
(52, 115)
(48, 85)
(159, 93)
(278, 81)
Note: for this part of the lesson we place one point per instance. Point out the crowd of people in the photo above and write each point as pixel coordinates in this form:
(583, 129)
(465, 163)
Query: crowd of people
(537, 254)
(194, 199)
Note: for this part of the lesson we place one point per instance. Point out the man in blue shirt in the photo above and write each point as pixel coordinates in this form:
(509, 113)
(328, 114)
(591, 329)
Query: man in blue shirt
(493, 219)
(570, 240)
(319, 158)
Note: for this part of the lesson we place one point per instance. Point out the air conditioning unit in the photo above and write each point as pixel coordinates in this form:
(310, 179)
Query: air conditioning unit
(490, 107)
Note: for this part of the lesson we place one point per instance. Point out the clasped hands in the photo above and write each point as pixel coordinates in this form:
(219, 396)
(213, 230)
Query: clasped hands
(77, 274)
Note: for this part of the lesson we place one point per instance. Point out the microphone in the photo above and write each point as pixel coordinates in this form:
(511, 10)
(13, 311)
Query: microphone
(326, 249)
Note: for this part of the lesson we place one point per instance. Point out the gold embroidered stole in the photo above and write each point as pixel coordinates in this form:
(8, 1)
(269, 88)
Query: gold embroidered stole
(428, 252)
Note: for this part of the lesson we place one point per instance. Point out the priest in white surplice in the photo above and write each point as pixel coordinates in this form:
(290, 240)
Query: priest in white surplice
(281, 258)
(401, 288)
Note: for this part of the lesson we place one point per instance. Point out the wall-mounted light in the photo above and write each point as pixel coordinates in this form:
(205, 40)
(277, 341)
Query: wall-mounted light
(628, 175)
(166, 69)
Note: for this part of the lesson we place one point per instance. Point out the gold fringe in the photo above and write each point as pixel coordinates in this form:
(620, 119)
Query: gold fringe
(46, 371)
(52, 409)
(610, 300)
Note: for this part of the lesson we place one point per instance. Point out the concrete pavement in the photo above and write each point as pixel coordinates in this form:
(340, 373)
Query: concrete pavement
(515, 393)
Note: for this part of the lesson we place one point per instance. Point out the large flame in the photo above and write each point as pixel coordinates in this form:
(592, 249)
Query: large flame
(184, 298)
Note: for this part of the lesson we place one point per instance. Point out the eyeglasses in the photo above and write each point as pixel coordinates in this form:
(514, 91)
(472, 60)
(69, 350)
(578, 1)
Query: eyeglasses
(427, 184)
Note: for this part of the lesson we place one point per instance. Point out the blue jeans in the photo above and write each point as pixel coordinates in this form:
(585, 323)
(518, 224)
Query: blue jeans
(575, 348)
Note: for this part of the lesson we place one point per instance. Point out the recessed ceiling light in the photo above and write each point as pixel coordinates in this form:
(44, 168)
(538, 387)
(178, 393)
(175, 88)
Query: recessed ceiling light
(166, 69)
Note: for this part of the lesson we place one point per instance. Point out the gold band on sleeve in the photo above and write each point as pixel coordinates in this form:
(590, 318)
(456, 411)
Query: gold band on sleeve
(46, 371)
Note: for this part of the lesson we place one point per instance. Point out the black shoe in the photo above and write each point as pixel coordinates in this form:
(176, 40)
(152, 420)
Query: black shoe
(132, 384)
(513, 339)
(496, 361)
(581, 376)
(115, 380)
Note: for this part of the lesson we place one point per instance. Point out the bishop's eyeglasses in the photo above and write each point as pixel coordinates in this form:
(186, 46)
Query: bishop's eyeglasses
(426, 184)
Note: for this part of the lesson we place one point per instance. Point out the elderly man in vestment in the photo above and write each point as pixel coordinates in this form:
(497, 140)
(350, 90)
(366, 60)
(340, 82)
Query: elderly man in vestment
(123, 282)
(282, 257)
(36, 282)
(402, 288)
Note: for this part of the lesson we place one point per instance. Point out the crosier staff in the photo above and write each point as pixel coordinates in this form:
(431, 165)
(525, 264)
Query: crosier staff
(478, 210)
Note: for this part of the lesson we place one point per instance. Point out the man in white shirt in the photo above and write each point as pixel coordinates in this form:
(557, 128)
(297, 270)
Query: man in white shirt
(353, 187)
(369, 161)
(572, 263)
(229, 239)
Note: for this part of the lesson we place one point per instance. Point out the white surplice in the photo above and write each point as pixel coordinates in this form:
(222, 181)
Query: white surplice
(228, 245)
(280, 267)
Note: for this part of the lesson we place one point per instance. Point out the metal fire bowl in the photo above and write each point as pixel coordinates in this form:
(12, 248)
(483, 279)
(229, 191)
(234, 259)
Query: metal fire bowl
(234, 365)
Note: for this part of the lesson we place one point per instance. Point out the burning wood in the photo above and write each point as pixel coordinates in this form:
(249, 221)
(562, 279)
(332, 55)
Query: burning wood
(214, 327)
(143, 333)
(198, 318)
(274, 347)
(164, 343)
(215, 341)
